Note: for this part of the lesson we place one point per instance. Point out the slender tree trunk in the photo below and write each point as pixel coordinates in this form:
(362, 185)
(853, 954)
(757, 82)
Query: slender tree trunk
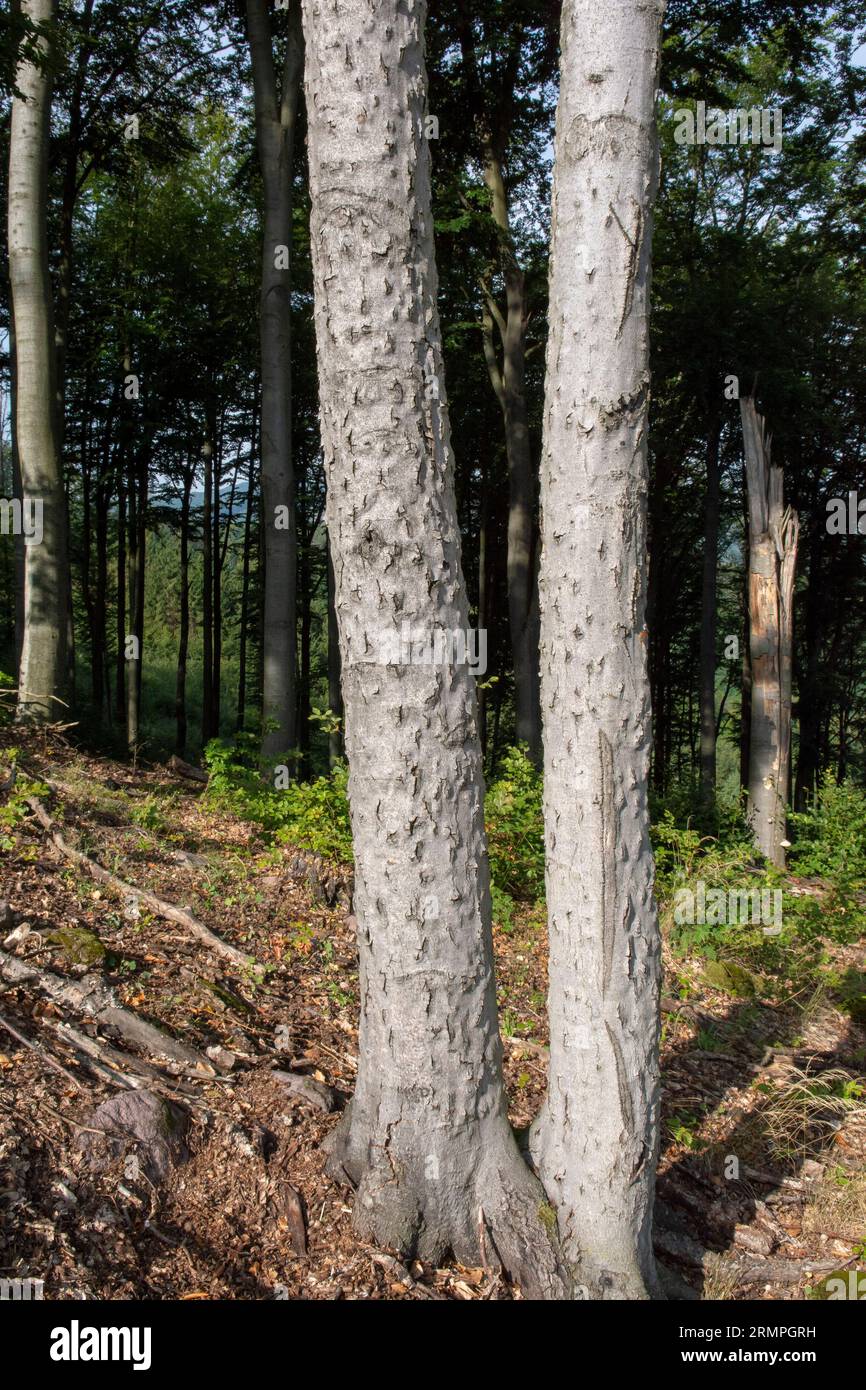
(17, 493)
(137, 557)
(509, 382)
(102, 494)
(596, 1139)
(810, 694)
(773, 538)
(207, 728)
(183, 635)
(43, 652)
(335, 694)
(216, 566)
(709, 609)
(427, 1137)
(276, 118)
(483, 599)
(120, 660)
(245, 583)
(305, 597)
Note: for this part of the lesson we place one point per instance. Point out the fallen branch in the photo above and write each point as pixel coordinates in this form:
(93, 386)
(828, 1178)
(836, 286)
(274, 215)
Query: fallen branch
(113, 1062)
(157, 905)
(42, 1053)
(782, 1271)
(93, 999)
(182, 769)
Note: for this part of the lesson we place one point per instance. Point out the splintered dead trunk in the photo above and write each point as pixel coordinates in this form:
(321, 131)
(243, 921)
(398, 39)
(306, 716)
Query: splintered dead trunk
(276, 117)
(427, 1139)
(595, 1141)
(42, 667)
(773, 537)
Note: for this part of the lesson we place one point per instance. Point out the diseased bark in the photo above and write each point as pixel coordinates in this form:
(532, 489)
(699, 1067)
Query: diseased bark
(427, 1137)
(42, 671)
(276, 118)
(773, 537)
(595, 1141)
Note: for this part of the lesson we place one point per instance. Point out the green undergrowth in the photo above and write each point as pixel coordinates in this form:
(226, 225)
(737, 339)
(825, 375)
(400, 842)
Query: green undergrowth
(767, 931)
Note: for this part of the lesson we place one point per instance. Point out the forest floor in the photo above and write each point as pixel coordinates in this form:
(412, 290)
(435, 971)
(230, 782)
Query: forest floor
(762, 1177)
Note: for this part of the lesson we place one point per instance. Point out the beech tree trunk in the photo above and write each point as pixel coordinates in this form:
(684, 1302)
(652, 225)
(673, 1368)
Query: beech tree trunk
(42, 670)
(276, 118)
(595, 1141)
(773, 537)
(426, 1138)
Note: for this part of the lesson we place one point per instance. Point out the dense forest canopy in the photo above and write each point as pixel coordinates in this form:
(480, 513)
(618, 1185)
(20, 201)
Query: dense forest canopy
(154, 202)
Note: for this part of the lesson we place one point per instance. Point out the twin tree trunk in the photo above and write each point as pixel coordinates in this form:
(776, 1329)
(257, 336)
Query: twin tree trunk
(42, 668)
(426, 1138)
(774, 532)
(276, 118)
(595, 1141)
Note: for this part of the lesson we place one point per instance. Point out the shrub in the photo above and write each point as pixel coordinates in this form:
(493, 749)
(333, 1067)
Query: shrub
(312, 815)
(515, 828)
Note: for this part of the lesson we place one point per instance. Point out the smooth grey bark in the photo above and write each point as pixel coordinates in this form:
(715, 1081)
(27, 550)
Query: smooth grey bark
(427, 1138)
(42, 670)
(773, 538)
(276, 119)
(595, 1141)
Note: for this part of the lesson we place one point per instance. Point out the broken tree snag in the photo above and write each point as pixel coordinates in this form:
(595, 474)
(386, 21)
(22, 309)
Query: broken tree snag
(595, 1141)
(157, 905)
(186, 770)
(93, 999)
(773, 537)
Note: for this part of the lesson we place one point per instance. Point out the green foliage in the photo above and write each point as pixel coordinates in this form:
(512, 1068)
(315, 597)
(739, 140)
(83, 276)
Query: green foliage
(831, 837)
(149, 814)
(16, 810)
(312, 815)
(317, 816)
(8, 693)
(515, 828)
